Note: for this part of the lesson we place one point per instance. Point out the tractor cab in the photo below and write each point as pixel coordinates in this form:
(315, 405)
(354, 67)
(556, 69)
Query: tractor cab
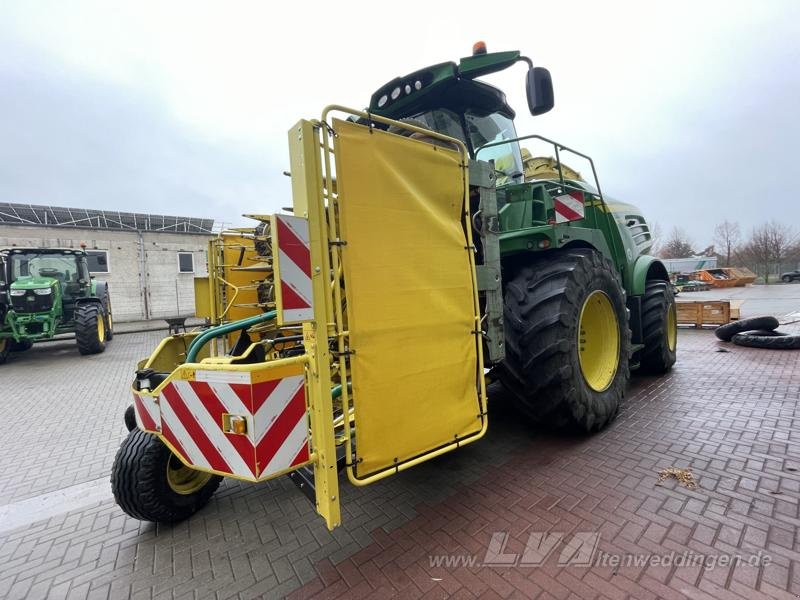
(38, 279)
(447, 98)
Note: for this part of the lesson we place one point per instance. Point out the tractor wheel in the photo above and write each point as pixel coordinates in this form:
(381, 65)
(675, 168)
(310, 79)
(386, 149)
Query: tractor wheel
(151, 484)
(5, 346)
(22, 346)
(659, 328)
(109, 320)
(567, 339)
(130, 418)
(90, 328)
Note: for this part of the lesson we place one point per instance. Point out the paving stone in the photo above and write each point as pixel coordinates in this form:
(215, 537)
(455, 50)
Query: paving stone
(731, 417)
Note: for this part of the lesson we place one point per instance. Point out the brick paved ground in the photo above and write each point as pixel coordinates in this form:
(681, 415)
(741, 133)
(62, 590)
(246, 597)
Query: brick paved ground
(732, 417)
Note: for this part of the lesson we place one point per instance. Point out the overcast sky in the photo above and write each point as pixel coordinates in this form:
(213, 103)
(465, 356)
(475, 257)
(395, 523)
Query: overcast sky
(690, 110)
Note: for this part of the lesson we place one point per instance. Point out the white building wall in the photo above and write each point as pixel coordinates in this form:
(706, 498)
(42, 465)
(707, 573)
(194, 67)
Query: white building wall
(158, 291)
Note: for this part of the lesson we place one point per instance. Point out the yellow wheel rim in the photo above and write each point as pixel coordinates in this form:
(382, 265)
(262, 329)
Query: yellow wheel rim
(672, 327)
(101, 328)
(3, 344)
(598, 341)
(183, 480)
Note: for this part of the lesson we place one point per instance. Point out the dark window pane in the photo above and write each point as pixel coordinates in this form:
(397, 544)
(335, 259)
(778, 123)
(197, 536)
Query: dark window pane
(186, 262)
(97, 261)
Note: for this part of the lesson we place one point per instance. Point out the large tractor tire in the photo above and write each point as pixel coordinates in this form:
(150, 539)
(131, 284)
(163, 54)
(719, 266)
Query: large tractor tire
(567, 340)
(22, 346)
(659, 328)
(109, 319)
(150, 483)
(90, 328)
(5, 347)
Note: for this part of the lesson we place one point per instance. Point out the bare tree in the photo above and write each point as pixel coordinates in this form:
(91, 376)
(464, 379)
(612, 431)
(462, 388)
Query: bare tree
(656, 238)
(769, 245)
(727, 237)
(678, 245)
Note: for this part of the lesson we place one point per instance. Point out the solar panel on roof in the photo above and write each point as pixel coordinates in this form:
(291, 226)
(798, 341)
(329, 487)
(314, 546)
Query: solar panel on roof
(55, 216)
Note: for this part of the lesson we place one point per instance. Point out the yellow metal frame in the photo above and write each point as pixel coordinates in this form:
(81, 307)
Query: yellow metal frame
(329, 193)
(315, 198)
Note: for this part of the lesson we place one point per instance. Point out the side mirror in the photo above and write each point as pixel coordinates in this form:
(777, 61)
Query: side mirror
(539, 86)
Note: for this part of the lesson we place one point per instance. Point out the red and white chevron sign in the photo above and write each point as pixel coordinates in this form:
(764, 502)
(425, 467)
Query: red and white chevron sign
(191, 420)
(569, 207)
(295, 302)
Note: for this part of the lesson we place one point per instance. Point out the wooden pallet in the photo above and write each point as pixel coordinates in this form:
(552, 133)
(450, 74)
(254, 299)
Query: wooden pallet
(700, 313)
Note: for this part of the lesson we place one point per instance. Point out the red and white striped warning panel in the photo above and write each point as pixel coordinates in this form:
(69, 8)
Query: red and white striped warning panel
(253, 431)
(569, 207)
(147, 413)
(293, 267)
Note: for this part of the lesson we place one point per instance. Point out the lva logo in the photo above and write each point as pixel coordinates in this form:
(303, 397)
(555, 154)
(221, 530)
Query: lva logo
(577, 551)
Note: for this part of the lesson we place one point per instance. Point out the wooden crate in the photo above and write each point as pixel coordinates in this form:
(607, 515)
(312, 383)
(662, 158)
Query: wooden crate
(736, 306)
(710, 312)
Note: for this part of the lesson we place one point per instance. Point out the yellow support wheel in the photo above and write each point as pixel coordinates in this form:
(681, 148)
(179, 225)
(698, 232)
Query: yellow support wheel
(598, 341)
(183, 480)
(150, 483)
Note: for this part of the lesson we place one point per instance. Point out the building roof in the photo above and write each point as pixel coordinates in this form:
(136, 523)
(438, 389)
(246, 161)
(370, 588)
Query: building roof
(87, 218)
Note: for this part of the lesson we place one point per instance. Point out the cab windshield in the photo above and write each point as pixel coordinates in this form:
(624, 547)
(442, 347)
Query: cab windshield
(61, 267)
(476, 130)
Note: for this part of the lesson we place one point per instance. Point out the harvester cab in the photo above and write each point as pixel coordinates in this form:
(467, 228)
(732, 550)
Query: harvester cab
(49, 291)
(356, 332)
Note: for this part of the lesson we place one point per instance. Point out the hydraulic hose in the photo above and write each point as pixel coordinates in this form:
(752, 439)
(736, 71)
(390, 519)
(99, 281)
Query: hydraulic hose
(202, 339)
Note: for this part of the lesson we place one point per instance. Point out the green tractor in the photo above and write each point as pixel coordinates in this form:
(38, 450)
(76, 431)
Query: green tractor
(48, 291)
(578, 301)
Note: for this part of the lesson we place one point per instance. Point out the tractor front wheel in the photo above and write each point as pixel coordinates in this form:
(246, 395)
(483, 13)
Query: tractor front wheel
(90, 328)
(659, 328)
(5, 347)
(150, 483)
(567, 339)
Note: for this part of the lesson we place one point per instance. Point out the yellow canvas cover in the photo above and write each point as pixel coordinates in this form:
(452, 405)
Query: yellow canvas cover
(410, 289)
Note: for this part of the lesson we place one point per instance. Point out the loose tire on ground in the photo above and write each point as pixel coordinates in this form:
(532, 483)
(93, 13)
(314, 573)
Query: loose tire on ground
(659, 328)
(130, 418)
(90, 328)
(544, 305)
(771, 342)
(150, 483)
(726, 332)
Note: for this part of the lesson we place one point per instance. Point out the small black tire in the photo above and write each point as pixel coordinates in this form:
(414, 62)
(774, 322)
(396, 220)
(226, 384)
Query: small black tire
(90, 328)
(22, 346)
(659, 328)
(726, 332)
(770, 342)
(786, 279)
(141, 486)
(544, 301)
(5, 346)
(130, 418)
